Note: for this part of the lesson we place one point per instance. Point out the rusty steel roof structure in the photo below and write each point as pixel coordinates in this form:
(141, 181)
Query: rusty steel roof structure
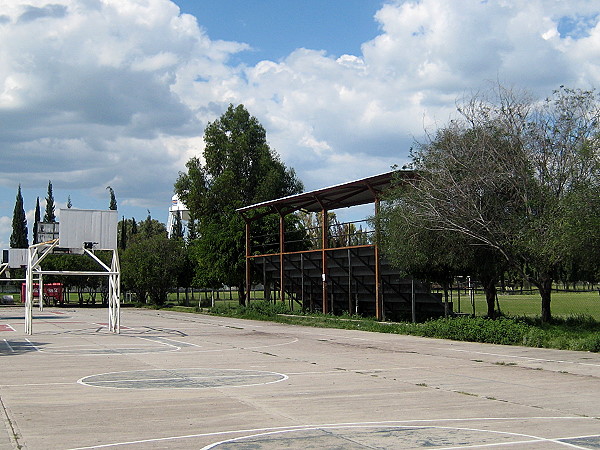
(353, 193)
(360, 263)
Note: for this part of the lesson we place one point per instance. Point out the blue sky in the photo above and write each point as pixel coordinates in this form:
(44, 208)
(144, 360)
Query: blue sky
(96, 92)
(276, 28)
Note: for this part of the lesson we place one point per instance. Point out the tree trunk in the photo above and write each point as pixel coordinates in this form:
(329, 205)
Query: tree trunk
(490, 298)
(242, 294)
(545, 289)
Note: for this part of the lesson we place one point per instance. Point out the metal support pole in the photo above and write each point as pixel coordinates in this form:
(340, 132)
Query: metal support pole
(114, 295)
(31, 253)
(349, 282)
(302, 280)
(41, 292)
(378, 299)
(413, 301)
(248, 287)
(281, 261)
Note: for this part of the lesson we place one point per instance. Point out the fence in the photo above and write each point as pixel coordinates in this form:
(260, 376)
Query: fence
(526, 302)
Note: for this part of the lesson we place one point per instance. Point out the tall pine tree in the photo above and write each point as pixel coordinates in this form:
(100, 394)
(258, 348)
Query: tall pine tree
(36, 221)
(49, 216)
(123, 234)
(177, 228)
(18, 238)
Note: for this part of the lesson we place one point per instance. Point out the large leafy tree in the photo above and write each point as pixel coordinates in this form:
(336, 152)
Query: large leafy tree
(151, 265)
(513, 176)
(18, 238)
(238, 168)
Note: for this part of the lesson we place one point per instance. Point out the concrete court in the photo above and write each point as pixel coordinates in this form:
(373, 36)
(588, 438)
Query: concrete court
(179, 381)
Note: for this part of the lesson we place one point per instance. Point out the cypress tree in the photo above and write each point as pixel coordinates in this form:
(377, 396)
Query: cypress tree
(192, 233)
(36, 221)
(49, 216)
(18, 238)
(123, 242)
(177, 228)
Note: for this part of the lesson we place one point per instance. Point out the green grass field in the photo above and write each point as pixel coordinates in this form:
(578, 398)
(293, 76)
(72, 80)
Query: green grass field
(563, 304)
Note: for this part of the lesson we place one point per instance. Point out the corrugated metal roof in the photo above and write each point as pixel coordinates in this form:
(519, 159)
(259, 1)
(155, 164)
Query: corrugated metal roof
(353, 193)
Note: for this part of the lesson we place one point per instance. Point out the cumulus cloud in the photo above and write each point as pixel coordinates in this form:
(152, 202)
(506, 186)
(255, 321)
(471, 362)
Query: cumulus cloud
(86, 91)
(118, 92)
(318, 107)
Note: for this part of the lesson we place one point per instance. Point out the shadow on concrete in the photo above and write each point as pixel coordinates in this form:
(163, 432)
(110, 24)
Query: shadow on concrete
(15, 347)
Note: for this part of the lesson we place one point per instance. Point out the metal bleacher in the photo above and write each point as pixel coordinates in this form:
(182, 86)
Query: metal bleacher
(351, 283)
(337, 277)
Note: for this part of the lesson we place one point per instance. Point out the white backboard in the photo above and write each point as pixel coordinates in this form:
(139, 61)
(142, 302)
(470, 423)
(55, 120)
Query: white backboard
(15, 257)
(80, 226)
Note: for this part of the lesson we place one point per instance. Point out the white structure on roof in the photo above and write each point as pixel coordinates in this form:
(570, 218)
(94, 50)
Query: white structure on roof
(177, 206)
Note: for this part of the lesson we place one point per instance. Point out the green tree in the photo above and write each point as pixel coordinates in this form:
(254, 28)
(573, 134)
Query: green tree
(113, 200)
(49, 216)
(122, 234)
(192, 233)
(69, 202)
(36, 221)
(18, 238)
(134, 227)
(177, 228)
(151, 227)
(240, 169)
(150, 266)
(505, 174)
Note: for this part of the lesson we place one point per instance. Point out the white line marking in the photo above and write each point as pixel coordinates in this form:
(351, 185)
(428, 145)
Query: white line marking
(522, 357)
(159, 342)
(293, 341)
(254, 373)
(31, 343)
(303, 427)
(424, 427)
(35, 384)
(8, 345)
(184, 377)
(181, 342)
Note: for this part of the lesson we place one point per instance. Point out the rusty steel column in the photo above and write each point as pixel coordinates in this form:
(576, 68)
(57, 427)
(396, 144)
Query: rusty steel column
(378, 298)
(324, 245)
(248, 286)
(281, 250)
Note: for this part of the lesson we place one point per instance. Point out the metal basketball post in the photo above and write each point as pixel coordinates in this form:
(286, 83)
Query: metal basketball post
(80, 231)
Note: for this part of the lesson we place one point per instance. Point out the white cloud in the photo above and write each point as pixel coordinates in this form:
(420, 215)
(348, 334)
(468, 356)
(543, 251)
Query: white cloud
(117, 92)
(5, 231)
(86, 88)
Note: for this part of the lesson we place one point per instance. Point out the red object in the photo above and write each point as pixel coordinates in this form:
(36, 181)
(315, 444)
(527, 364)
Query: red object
(52, 291)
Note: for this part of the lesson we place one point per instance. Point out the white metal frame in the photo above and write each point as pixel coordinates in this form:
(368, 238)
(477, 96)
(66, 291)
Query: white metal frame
(38, 252)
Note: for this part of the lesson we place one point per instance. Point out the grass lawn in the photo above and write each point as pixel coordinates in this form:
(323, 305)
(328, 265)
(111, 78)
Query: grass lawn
(563, 304)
